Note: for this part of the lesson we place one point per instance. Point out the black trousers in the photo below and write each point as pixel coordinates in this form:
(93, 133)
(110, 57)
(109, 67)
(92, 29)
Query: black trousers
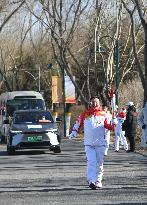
(132, 142)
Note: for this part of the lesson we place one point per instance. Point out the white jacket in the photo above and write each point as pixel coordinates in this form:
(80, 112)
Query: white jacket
(109, 120)
(142, 120)
(94, 121)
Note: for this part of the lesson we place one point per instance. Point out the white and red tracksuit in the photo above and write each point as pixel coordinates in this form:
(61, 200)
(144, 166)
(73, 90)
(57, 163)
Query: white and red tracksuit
(118, 131)
(107, 132)
(142, 120)
(94, 121)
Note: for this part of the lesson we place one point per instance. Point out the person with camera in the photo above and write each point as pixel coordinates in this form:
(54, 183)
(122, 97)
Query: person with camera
(130, 125)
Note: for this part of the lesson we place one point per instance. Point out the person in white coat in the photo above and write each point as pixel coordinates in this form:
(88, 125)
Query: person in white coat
(142, 122)
(107, 132)
(95, 122)
(119, 133)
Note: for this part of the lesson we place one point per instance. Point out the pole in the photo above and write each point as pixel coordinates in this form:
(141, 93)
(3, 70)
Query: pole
(64, 104)
(55, 113)
(39, 79)
(68, 118)
(116, 54)
(117, 51)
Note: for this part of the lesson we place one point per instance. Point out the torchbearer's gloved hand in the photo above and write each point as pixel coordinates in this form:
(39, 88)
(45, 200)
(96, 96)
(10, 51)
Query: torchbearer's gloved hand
(73, 135)
(143, 126)
(113, 126)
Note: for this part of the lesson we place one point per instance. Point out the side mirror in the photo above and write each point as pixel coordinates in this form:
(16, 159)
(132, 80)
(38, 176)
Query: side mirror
(6, 122)
(58, 120)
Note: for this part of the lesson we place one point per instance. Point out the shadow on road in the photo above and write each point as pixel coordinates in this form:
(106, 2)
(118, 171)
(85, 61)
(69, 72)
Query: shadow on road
(26, 152)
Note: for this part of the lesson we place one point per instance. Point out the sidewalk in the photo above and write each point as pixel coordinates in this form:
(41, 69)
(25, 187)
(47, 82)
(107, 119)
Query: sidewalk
(138, 148)
(142, 151)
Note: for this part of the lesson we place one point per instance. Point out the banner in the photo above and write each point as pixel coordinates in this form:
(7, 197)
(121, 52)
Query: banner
(57, 90)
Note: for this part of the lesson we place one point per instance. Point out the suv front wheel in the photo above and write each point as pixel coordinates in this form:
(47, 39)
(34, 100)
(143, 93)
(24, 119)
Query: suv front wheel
(57, 149)
(10, 150)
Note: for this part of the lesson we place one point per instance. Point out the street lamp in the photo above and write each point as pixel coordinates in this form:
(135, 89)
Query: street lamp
(35, 78)
(26, 71)
(32, 76)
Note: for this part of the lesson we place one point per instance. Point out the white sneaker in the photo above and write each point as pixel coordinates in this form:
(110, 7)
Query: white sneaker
(98, 185)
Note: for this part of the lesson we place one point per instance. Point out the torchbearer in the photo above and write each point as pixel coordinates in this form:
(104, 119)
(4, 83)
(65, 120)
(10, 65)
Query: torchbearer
(95, 122)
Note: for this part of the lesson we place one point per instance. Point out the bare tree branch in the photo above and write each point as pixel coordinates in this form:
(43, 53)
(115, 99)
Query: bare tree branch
(10, 15)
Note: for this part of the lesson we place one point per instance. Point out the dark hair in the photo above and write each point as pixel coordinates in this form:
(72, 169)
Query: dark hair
(105, 105)
(93, 97)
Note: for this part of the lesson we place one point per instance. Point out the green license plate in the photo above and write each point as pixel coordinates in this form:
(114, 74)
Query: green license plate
(35, 139)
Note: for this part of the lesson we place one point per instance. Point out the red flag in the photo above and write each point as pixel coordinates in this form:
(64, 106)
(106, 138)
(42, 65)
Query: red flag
(111, 92)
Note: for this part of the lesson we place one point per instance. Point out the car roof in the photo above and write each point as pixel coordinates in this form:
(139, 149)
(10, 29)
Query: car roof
(31, 110)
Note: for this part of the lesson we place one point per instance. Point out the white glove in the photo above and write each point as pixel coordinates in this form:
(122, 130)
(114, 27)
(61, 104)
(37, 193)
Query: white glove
(114, 120)
(73, 135)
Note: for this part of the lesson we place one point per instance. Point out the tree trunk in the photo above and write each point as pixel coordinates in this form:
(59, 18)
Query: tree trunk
(145, 62)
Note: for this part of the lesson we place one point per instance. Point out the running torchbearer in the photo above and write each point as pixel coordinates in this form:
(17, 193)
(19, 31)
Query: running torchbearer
(95, 122)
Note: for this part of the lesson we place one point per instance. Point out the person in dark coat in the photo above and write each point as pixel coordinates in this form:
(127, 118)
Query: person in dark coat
(130, 125)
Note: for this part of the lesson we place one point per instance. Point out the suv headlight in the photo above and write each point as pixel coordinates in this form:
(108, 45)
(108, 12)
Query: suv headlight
(15, 131)
(52, 130)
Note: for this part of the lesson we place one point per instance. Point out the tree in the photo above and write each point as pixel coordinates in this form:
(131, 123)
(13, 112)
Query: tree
(139, 6)
(62, 33)
(8, 17)
(141, 69)
(62, 20)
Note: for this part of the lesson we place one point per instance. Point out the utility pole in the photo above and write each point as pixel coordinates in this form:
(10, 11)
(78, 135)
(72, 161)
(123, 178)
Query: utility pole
(116, 59)
(64, 100)
(96, 35)
(116, 52)
(39, 75)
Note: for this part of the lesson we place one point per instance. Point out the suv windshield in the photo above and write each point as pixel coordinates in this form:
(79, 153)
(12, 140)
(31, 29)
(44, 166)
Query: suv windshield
(24, 104)
(34, 117)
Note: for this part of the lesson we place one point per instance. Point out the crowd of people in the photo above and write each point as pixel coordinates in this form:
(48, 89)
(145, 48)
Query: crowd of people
(99, 122)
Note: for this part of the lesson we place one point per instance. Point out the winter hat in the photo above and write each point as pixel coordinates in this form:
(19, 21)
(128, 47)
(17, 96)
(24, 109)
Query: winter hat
(130, 104)
(122, 115)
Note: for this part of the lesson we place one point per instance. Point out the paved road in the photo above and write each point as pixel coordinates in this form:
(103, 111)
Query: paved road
(44, 178)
